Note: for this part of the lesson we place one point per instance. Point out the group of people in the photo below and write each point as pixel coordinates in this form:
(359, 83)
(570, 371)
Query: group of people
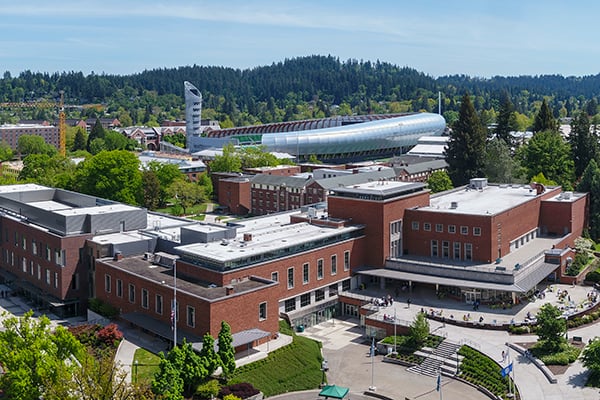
(384, 301)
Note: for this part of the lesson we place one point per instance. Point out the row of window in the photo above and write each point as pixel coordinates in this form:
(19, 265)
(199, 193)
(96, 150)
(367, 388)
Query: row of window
(190, 311)
(315, 296)
(464, 230)
(38, 248)
(320, 270)
(35, 269)
(456, 250)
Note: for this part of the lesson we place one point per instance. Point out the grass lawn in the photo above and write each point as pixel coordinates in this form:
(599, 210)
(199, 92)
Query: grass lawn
(479, 369)
(291, 368)
(147, 365)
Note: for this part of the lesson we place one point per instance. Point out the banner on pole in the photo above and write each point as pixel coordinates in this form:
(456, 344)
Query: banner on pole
(439, 382)
(507, 370)
(372, 353)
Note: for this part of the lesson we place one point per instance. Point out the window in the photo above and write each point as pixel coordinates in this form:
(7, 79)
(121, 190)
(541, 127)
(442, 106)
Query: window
(191, 316)
(396, 227)
(457, 250)
(426, 226)
(275, 276)
(107, 283)
(476, 231)
(468, 252)
(305, 273)
(334, 264)
(415, 225)
(445, 249)
(56, 279)
(39, 272)
(48, 253)
(24, 264)
(464, 230)
(144, 298)
(333, 290)
(24, 242)
(47, 276)
(346, 285)
(158, 304)
(451, 228)
(346, 260)
(131, 293)
(320, 268)
(439, 228)
(434, 248)
(59, 257)
(119, 288)
(262, 311)
(290, 278)
(290, 305)
(34, 247)
(319, 294)
(305, 300)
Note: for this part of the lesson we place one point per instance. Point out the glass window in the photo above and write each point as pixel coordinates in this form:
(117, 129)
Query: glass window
(468, 251)
(107, 283)
(191, 316)
(304, 300)
(333, 290)
(451, 228)
(262, 311)
(457, 250)
(320, 268)
(290, 273)
(56, 279)
(346, 285)
(131, 293)
(464, 230)
(275, 276)
(158, 304)
(477, 231)
(346, 260)
(439, 228)
(334, 264)
(319, 294)
(445, 249)
(119, 288)
(434, 248)
(47, 276)
(415, 226)
(305, 273)
(290, 305)
(144, 298)
(39, 272)
(34, 247)
(426, 226)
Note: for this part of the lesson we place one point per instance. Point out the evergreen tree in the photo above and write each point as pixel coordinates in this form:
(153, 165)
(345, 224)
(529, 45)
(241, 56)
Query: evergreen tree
(226, 351)
(80, 142)
(151, 188)
(549, 153)
(439, 181)
(208, 355)
(544, 119)
(465, 154)
(97, 132)
(590, 183)
(499, 165)
(506, 121)
(584, 144)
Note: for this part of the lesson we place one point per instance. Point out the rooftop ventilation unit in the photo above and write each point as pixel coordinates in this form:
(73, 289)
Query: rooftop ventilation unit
(454, 205)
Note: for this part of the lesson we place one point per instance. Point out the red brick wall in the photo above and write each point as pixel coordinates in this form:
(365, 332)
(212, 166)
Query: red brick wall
(235, 194)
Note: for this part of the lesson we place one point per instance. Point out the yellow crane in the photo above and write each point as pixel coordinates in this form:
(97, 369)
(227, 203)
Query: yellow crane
(62, 126)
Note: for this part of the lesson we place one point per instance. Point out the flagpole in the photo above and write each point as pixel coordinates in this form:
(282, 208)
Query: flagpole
(395, 349)
(372, 387)
(510, 390)
(439, 383)
(174, 303)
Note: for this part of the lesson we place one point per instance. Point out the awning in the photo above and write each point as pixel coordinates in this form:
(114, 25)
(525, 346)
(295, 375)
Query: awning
(159, 328)
(248, 336)
(337, 392)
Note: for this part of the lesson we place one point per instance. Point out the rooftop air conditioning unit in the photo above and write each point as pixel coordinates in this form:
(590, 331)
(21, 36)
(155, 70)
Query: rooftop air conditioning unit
(454, 205)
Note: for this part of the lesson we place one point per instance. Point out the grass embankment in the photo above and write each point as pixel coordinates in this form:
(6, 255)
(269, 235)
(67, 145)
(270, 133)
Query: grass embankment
(288, 369)
(481, 370)
(145, 365)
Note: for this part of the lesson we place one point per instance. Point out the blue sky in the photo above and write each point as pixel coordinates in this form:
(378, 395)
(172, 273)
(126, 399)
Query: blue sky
(474, 37)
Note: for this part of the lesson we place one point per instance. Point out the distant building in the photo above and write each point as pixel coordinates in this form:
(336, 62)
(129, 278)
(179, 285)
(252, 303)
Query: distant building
(10, 133)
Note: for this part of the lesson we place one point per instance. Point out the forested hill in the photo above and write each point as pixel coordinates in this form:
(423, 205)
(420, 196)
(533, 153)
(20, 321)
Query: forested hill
(296, 88)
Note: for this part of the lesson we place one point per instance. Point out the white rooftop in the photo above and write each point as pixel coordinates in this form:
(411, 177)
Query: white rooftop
(493, 199)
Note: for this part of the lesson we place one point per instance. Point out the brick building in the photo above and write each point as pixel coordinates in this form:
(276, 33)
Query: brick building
(10, 133)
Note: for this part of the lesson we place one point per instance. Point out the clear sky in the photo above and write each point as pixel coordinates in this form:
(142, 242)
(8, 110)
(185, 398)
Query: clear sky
(438, 37)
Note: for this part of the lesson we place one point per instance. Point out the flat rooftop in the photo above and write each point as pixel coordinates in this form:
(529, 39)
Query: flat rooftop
(493, 199)
(164, 275)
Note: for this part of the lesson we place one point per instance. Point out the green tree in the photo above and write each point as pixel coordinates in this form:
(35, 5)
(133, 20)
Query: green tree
(189, 365)
(551, 327)
(439, 181)
(6, 153)
(590, 183)
(549, 153)
(226, 351)
(419, 329)
(208, 355)
(116, 141)
(80, 141)
(229, 161)
(55, 171)
(544, 119)
(466, 148)
(167, 384)
(97, 132)
(206, 183)
(584, 143)
(506, 121)
(499, 165)
(186, 194)
(255, 157)
(113, 175)
(34, 357)
(34, 144)
(151, 188)
(166, 174)
(591, 357)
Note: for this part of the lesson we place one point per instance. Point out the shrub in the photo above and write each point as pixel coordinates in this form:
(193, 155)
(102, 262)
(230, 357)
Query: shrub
(593, 276)
(86, 333)
(208, 390)
(241, 390)
(102, 308)
(110, 335)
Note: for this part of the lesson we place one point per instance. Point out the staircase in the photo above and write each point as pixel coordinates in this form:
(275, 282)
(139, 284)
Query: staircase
(442, 358)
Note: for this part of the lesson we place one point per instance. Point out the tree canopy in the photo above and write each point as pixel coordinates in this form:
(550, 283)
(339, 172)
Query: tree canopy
(226, 351)
(544, 119)
(551, 326)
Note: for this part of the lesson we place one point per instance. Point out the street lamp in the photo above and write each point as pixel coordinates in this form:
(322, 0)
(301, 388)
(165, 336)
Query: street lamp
(324, 368)
(136, 371)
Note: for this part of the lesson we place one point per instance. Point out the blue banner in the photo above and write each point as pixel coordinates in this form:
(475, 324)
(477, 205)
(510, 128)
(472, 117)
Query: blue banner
(507, 370)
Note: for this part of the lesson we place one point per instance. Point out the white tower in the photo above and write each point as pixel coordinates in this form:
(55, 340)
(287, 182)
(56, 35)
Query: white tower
(193, 114)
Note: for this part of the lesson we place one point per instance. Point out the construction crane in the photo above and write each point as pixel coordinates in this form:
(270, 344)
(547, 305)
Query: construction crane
(62, 126)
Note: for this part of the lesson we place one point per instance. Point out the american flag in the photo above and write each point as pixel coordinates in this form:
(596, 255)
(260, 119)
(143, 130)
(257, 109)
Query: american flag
(172, 317)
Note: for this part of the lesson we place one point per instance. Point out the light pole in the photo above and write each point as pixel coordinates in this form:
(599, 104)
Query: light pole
(324, 368)
(174, 311)
(136, 370)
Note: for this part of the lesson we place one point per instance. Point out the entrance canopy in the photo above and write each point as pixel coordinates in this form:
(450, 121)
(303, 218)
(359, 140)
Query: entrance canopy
(337, 392)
